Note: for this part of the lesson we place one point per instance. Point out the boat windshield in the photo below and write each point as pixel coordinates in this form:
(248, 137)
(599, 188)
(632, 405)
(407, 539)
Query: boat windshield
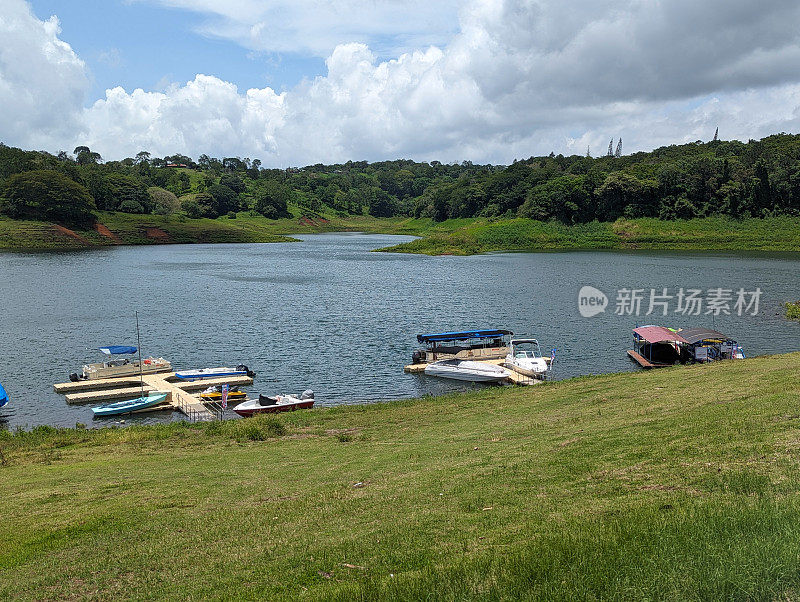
(527, 350)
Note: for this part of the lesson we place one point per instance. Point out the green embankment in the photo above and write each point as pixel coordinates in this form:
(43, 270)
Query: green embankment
(456, 237)
(682, 483)
(711, 234)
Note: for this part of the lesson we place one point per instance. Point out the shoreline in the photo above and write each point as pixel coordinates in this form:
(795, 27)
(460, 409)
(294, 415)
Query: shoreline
(467, 236)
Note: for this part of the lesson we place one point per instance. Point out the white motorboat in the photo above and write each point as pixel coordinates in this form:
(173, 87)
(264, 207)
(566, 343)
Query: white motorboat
(240, 370)
(524, 356)
(468, 370)
(266, 404)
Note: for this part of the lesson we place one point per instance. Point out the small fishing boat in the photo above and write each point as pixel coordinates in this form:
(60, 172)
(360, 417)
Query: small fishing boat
(525, 356)
(240, 370)
(4, 397)
(131, 405)
(279, 403)
(121, 367)
(214, 393)
(468, 370)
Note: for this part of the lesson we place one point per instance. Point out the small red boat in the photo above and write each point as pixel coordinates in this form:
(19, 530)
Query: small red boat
(280, 403)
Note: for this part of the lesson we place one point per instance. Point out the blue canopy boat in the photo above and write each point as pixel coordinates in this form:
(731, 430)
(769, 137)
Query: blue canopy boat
(4, 398)
(486, 344)
(131, 405)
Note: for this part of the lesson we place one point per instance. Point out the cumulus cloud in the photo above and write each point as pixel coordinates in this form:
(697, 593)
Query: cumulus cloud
(43, 83)
(520, 77)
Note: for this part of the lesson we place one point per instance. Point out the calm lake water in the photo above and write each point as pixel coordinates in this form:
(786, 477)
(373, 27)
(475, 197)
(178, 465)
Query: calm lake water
(328, 314)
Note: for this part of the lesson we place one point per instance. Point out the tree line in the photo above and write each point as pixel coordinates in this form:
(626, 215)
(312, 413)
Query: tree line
(759, 178)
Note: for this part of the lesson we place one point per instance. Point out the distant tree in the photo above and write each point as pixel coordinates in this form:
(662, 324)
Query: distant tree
(225, 200)
(271, 199)
(84, 156)
(142, 157)
(47, 195)
(164, 202)
(233, 182)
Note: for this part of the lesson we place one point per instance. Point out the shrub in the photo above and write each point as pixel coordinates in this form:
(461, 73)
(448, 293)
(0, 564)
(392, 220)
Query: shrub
(792, 310)
(46, 195)
(164, 202)
(258, 428)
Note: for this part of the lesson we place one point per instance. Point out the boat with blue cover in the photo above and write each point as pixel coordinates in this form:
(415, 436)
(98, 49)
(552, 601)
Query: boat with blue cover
(131, 405)
(486, 344)
(118, 366)
(4, 397)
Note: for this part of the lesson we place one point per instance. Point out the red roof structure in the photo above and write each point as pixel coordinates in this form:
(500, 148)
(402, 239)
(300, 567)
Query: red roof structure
(658, 334)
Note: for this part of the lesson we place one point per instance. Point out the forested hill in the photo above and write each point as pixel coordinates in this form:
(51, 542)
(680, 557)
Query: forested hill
(755, 179)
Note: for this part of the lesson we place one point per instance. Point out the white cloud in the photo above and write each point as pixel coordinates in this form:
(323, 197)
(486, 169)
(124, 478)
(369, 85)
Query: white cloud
(519, 78)
(318, 26)
(42, 81)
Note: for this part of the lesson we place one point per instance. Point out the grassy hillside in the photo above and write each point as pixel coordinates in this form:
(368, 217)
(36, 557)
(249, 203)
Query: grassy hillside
(681, 483)
(125, 228)
(455, 237)
(467, 237)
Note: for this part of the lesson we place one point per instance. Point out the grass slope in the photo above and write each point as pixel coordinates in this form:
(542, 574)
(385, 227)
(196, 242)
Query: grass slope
(480, 236)
(454, 237)
(125, 228)
(680, 483)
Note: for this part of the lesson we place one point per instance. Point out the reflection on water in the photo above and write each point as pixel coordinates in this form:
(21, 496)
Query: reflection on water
(330, 315)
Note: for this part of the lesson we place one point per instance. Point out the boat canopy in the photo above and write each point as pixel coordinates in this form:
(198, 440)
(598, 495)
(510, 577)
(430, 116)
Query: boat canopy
(462, 336)
(118, 349)
(695, 335)
(658, 334)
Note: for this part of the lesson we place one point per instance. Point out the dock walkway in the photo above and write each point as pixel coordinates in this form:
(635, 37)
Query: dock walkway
(179, 395)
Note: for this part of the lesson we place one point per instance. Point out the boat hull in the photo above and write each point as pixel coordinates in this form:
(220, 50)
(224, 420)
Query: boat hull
(467, 371)
(252, 407)
(209, 373)
(130, 405)
(4, 398)
(534, 370)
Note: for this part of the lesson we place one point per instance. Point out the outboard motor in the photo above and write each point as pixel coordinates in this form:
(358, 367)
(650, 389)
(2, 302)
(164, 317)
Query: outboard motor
(74, 377)
(246, 370)
(307, 394)
(418, 357)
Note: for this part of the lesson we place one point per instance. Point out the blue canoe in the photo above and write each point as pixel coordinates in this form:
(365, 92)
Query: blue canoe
(130, 405)
(4, 398)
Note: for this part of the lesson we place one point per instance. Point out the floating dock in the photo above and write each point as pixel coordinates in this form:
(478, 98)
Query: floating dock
(179, 395)
(644, 362)
(515, 378)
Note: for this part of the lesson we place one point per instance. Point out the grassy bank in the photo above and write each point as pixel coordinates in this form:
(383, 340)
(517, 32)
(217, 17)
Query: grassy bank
(125, 228)
(455, 237)
(681, 483)
(708, 234)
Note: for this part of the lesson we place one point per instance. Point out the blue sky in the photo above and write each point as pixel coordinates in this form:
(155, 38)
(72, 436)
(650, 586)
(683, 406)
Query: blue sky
(144, 45)
(297, 82)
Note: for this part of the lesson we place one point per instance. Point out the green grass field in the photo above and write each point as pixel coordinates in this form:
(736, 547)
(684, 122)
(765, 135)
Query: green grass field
(679, 484)
(707, 234)
(455, 237)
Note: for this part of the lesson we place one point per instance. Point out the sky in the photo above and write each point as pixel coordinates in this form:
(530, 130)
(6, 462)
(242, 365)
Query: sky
(298, 82)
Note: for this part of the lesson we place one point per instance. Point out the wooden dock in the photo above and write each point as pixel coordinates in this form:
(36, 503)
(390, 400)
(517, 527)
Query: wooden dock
(644, 362)
(515, 378)
(179, 395)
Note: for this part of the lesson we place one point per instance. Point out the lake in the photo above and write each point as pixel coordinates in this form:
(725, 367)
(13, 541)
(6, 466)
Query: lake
(330, 315)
